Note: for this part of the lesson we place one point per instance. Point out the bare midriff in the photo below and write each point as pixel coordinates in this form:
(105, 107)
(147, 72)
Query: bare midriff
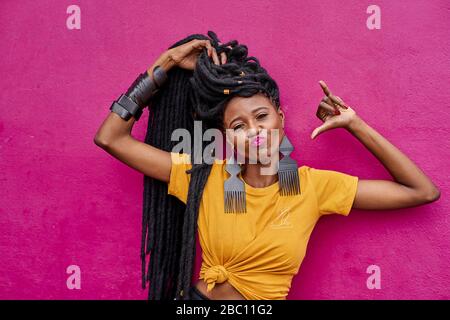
(221, 291)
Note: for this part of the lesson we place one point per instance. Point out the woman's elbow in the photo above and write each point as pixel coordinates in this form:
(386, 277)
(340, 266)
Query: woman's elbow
(101, 141)
(431, 195)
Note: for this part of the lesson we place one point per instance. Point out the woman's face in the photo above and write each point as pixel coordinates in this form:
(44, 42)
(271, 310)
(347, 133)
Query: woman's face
(251, 124)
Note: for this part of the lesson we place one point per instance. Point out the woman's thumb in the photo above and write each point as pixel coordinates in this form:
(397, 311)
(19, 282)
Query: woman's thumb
(319, 130)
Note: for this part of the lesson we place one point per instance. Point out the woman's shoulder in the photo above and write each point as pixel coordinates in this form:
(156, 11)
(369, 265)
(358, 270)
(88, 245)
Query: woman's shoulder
(186, 159)
(304, 169)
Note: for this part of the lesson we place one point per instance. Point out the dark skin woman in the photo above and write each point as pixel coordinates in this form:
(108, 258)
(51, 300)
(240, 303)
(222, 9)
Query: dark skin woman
(247, 116)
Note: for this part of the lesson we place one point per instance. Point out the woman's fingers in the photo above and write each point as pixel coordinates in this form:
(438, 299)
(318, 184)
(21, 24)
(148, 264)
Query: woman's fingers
(328, 101)
(324, 110)
(337, 101)
(215, 57)
(209, 47)
(324, 88)
(332, 97)
(223, 58)
(342, 102)
(199, 45)
(327, 107)
(324, 127)
(212, 52)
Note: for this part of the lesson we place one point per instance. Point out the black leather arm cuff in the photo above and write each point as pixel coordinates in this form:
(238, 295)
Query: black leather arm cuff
(138, 94)
(125, 108)
(142, 89)
(121, 111)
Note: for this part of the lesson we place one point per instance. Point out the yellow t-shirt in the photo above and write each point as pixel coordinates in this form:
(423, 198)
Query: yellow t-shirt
(260, 251)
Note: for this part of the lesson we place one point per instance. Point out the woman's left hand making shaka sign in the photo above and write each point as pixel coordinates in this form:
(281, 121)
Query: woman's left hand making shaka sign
(333, 111)
(411, 187)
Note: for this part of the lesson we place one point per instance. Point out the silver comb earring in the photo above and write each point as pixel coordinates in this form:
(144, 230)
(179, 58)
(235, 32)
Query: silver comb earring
(288, 177)
(234, 190)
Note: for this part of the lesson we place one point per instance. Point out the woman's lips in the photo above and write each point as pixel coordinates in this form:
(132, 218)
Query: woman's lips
(258, 140)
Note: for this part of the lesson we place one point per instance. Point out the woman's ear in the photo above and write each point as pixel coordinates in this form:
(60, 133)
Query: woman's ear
(281, 113)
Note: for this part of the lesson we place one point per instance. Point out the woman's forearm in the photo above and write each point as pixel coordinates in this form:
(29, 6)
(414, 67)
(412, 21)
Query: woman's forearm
(114, 127)
(411, 186)
(402, 169)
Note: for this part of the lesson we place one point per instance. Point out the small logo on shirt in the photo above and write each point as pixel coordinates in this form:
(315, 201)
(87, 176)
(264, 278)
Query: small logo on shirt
(282, 220)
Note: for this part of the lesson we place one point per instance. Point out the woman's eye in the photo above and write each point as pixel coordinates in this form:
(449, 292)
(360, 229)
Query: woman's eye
(239, 126)
(262, 115)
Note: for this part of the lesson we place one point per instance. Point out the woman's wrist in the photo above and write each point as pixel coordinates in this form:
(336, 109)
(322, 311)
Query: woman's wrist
(146, 85)
(355, 124)
(164, 61)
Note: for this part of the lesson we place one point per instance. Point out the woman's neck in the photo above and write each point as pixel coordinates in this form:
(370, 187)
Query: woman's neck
(253, 175)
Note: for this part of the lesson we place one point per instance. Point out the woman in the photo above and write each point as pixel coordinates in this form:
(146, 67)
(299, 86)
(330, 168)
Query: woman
(251, 255)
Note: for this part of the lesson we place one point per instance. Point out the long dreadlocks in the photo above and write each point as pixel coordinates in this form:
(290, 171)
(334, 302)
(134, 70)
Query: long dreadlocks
(169, 226)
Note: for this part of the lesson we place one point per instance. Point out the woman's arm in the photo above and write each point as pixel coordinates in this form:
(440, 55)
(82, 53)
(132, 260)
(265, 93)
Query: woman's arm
(411, 186)
(114, 136)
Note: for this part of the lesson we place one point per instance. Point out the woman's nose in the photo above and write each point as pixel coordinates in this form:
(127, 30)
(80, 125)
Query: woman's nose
(253, 131)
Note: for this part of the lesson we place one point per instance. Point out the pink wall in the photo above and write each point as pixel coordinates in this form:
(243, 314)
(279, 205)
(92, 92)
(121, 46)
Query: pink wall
(67, 202)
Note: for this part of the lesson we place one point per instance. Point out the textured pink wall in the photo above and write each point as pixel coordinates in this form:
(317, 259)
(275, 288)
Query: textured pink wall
(66, 202)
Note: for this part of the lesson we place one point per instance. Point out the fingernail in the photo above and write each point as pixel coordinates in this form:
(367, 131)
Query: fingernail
(337, 112)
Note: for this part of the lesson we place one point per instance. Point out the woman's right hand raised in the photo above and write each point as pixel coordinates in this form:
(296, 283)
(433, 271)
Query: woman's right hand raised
(185, 56)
